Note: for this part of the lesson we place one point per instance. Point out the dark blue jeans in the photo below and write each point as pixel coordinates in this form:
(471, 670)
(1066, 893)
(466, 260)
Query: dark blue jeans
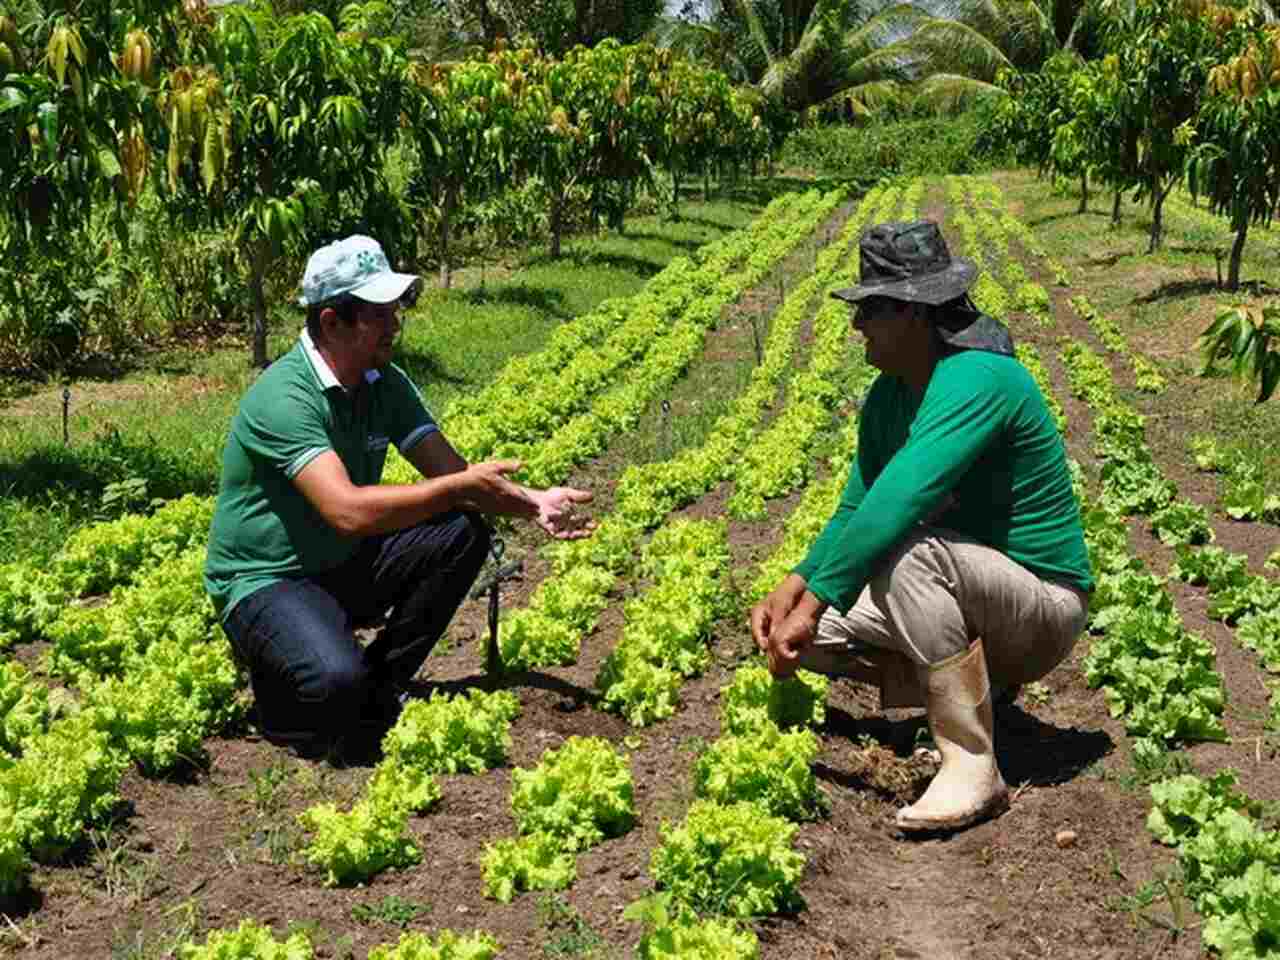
(311, 679)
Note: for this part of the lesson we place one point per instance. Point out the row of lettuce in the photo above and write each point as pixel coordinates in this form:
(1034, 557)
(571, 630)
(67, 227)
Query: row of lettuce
(1161, 678)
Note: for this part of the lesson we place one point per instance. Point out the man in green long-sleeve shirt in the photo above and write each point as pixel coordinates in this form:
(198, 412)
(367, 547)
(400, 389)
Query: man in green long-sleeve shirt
(955, 561)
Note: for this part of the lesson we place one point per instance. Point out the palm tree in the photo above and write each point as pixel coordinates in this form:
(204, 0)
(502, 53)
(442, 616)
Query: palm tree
(867, 56)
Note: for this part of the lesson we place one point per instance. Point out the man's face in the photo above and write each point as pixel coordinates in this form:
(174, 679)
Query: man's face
(884, 324)
(370, 339)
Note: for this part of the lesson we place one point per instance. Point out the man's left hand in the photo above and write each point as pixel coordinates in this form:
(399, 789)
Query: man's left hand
(556, 512)
(791, 636)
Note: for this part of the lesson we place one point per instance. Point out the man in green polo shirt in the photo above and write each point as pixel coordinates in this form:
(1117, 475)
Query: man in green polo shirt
(307, 544)
(955, 561)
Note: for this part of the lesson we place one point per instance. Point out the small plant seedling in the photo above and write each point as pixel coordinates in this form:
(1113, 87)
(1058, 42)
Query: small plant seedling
(572, 937)
(268, 787)
(392, 909)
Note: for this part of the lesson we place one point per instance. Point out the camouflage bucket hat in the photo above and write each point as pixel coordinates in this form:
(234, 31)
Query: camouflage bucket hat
(911, 262)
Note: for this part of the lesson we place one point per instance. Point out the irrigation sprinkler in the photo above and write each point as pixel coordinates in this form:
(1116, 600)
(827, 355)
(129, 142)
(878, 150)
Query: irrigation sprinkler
(66, 409)
(492, 585)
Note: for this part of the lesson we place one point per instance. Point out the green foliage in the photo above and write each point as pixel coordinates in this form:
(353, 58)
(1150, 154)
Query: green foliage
(1244, 339)
(67, 779)
(392, 909)
(1260, 632)
(15, 866)
(769, 767)
(444, 945)
(1158, 676)
(249, 941)
(165, 602)
(24, 708)
(548, 632)
(166, 701)
(666, 628)
(467, 733)
(353, 846)
(1213, 567)
(536, 861)
(1209, 454)
(1181, 806)
(1228, 860)
(734, 860)
(677, 934)
(580, 793)
(753, 700)
(909, 148)
(1182, 523)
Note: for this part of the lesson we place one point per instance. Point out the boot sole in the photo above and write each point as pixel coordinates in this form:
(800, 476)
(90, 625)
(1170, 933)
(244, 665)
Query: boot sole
(991, 810)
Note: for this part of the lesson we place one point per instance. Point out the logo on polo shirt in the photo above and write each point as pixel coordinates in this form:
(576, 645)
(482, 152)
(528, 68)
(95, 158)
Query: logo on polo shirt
(376, 443)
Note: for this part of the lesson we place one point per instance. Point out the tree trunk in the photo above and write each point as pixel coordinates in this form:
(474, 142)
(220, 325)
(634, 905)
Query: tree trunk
(446, 222)
(557, 217)
(1157, 217)
(1237, 252)
(257, 280)
(1115, 209)
(1084, 192)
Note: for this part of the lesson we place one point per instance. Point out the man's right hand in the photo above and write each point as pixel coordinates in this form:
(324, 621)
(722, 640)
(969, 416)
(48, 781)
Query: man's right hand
(774, 609)
(485, 487)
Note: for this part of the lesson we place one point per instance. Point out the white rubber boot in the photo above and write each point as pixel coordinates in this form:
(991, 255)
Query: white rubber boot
(969, 787)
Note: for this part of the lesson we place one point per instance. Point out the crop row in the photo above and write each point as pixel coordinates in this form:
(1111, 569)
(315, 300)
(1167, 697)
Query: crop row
(584, 571)
(1161, 678)
(670, 350)
(1158, 676)
(520, 407)
(781, 458)
(991, 297)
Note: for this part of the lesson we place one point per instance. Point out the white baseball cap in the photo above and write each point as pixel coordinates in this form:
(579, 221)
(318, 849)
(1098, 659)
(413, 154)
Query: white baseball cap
(355, 266)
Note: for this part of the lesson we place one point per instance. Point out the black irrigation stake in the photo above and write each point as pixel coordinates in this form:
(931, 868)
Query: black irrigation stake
(66, 408)
(664, 440)
(492, 585)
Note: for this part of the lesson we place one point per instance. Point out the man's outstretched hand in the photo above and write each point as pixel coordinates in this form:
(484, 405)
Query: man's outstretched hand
(557, 512)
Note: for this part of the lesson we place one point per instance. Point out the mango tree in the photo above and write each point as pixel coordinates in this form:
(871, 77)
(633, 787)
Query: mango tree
(697, 108)
(284, 135)
(1247, 341)
(1236, 160)
(463, 127)
(554, 137)
(76, 100)
(1164, 51)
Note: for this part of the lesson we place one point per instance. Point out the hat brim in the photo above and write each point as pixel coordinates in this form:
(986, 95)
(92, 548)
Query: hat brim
(384, 288)
(933, 289)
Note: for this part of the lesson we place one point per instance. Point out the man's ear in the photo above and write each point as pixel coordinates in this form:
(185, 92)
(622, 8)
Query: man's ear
(328, 320)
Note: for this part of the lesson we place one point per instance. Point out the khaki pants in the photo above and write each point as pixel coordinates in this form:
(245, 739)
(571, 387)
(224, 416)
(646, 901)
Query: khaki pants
(938, 592)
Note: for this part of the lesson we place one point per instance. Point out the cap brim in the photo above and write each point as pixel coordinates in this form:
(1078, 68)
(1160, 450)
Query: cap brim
(933, 289)
(384, 288)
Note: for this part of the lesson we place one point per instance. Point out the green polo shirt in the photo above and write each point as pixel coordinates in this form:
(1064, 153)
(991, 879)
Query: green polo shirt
(264, 529)
(979, 454)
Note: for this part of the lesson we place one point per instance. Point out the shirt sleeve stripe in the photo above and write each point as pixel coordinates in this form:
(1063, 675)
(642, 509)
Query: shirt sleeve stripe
(415, 437)
(294, 467)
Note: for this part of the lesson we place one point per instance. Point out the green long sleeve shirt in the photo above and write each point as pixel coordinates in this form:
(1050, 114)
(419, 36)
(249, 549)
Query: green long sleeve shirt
(978, 454)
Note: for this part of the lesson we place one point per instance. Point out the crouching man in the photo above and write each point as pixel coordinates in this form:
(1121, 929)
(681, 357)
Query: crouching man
(307, 544)
(954, 568)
